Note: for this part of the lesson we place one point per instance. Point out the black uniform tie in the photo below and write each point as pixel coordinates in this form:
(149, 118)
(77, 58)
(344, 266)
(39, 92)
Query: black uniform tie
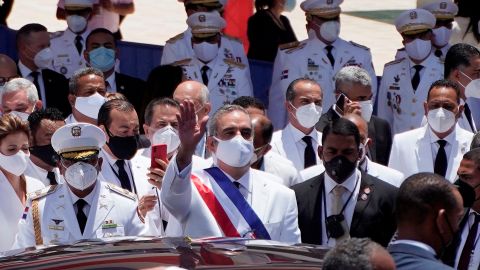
(416, 76)
(122, 175)
(468, 114)
(81, 217)
(51, 177)
(34, 75)
(465, 257)
(329, 49)
(438, 53)
(78, 44)
(441, 159)
(205, 74)
(309, 154)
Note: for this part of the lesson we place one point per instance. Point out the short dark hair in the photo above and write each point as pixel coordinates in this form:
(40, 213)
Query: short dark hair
(156, 102)
(421, 192)
(290, 94)
(27, 29)
(459, 55)
(107, 107)
(36, 117)
(475, 141)
(343, 127)
(267, 130)
(100, 30)
(264, 4)
(249, 102)
(447, 84)
(473, 155)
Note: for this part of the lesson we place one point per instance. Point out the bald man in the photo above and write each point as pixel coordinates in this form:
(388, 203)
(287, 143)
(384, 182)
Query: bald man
(266, 160)
(199, 94)
(391, 176)
(8, 69)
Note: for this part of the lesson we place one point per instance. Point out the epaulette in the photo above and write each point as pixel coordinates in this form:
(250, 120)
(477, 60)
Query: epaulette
(359, 46)
(395, 61)
(234, 63)
(289, 45)
(56, 34)
(401, 49)
(182, 62)
(175, 38)
(42, 192)
(122, 191)
(232, 38)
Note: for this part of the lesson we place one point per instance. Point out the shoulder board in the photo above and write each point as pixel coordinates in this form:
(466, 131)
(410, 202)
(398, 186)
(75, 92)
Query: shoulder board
(234, 63)
(56, 34)
(232, 38)
(121, 191)
(401, 49)
(394, 62)
(359, 46)
(175, 38)
(289, 45)
(182, 62)
(42, 192)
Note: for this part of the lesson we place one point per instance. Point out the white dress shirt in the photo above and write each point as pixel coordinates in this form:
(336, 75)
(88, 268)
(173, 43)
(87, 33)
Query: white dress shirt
(25, 72)
(450, 138)
(88, 199)
(475, 260)
(110, 169)
(112, 86)
(301, 145)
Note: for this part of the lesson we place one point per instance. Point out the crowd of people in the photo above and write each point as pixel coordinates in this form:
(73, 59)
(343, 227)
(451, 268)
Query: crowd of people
(336, 158)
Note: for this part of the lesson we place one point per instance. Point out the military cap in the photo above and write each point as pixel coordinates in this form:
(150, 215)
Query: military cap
(414, 21)
(205, 24)
(78, 140)
(78, 4)
(442, 10)
(321, 8)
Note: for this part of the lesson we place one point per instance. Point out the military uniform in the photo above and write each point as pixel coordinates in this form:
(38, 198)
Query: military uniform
(308, 59)
(398, 103)
(401, 53)
(66, 59)
(228, 79)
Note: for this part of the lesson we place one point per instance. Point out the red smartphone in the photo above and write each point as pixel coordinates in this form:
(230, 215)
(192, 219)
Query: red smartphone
(159, 151)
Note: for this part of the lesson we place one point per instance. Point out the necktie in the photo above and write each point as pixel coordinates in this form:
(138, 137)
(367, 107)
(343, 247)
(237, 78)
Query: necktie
(441, 159)
(122, 175)
(468, 114)
(51, 177)
(329, 49)
(469, 245)
(416, 76)
(205, 74)
(438, 53)
(34, 75)
(337, 206)
(309, 154)
(78, 44)
(81, 217)
(107, 86)
(237, 184)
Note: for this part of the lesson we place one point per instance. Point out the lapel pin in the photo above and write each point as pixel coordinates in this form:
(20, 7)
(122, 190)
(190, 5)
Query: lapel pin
(367, 190)
(364, 197)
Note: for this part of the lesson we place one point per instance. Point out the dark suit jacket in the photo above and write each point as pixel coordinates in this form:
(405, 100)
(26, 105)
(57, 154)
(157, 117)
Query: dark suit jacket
(452, 250)
(132, 88)
(408, 257)
(56, 90)
(378, 130)
(372, 217)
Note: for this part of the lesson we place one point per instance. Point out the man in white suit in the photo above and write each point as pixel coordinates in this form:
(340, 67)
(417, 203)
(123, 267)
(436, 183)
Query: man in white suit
(439, 146)
(299, 140)
(255, 205)
(84, 207)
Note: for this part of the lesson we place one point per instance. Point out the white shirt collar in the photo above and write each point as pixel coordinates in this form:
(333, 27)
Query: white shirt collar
(417, 244)
(244, 180)
(111, 81)
(298, 135)
(349, 184)
(24, 70)
(109, 158)
(88, 198)
(450, 138)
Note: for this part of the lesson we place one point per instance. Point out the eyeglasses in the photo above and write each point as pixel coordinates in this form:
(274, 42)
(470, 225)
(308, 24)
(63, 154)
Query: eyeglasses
(4, 80)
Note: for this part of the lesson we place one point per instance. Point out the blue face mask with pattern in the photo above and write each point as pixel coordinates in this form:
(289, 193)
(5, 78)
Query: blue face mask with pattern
(102, 58)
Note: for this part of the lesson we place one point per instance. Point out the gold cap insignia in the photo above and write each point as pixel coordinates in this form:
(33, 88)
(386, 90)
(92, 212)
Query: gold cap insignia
(76, 131)
(413, 15)
(202, 18)
(443, 5)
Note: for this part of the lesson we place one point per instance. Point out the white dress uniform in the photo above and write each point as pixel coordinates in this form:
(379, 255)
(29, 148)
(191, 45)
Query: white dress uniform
(288, 143)
(113, 213)
(227, 81)
(415, 151)
(273, 203)
(11, 209)
(308, 58)
(281, 167)
(66, 59)
(36, 172)
(389, 175)
(401, 53)
(398, 102)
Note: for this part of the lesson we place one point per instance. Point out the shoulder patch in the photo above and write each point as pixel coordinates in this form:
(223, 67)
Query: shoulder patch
(42, 192)
(56, 34)
(360, 46)
(232, 38)
(121, 191)
(175, 38)
(395, 61)
(234, 63)
(289, 45)
(182, 62)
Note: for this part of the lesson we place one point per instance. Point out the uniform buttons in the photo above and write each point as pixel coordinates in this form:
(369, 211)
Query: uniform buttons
(413, 114)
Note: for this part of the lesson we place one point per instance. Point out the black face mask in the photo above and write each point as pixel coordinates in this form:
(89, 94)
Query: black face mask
(445, 244)
(339, 168)
(123, 147)
(467, 192)
(46, 153)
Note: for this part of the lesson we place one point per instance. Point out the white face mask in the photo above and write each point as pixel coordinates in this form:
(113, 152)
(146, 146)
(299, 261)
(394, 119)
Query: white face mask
(15, 164)
(205, 51)
(366, 108)
(441, 120)
(418, 49)
(473, 89)
(44, 58)
(76, 23)
(81, 175)
(330, 30)
(167, 135)
(308, 115)
(441, 36)
(22, 115)
(236, 152)
(89, 106)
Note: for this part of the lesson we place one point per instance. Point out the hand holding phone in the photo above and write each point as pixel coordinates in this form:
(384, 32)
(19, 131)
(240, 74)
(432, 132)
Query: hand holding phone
(159, 151)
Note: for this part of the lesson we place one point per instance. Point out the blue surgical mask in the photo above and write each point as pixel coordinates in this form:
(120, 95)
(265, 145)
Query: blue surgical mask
(289, 5)
(102, 58)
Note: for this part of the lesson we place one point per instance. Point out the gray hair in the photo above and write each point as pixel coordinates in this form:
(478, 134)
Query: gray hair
(351, 254)
(73, 82)
(354, 75)
(20, 84)
(213, 123)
